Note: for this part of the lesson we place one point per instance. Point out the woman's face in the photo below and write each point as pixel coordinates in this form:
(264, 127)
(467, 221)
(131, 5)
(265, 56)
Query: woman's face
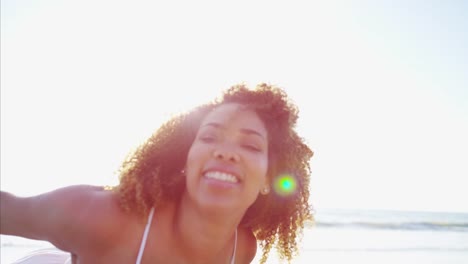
(228, 160)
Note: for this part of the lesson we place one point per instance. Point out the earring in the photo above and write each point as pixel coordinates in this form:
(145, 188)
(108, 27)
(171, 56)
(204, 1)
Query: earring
(265, 190)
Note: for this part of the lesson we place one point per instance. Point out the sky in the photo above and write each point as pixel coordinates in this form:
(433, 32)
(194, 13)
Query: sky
(382, 88)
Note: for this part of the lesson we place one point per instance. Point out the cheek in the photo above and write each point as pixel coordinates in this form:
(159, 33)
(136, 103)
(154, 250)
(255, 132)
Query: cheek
(195, 157)
(261, 166)
(191, 159)
(191, 168)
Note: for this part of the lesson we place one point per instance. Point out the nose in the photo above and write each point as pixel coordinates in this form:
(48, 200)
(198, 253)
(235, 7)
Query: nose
(226, 154)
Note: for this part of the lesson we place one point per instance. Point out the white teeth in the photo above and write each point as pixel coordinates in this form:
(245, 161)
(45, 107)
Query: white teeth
(221, 176)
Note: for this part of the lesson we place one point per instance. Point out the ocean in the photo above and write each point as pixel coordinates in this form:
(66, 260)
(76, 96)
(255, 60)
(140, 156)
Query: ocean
(351, 236)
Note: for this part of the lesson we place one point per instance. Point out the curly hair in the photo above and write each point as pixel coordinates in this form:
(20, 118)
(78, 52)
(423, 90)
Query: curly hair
(151, 176)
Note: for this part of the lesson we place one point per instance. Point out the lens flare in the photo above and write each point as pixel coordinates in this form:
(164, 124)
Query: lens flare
(285, 185)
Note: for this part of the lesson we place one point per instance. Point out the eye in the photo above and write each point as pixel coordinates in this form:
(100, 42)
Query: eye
(251, 147)
(207, 138)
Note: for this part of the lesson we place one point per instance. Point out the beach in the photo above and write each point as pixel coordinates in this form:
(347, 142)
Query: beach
(352, 236)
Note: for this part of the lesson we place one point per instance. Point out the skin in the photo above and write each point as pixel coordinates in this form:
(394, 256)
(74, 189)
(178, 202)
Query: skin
(88, 221)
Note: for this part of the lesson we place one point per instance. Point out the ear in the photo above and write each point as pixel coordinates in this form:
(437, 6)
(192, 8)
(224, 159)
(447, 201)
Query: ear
(266, 186)
(265, 190)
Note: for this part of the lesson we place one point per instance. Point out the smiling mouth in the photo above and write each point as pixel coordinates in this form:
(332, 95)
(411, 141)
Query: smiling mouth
(221, 176)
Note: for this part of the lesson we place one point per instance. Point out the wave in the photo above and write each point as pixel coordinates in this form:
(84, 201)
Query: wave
(433, 226)
(424, 249)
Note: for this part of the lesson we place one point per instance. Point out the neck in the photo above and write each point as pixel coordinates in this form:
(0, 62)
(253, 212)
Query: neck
(204, 234)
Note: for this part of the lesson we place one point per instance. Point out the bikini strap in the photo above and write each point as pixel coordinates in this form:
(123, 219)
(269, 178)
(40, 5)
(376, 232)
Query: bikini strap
(233, 258)
(145, 236)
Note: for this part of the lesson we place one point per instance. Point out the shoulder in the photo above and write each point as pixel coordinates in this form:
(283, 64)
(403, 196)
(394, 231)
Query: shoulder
(248, 245)
(92, 207)
(82, 215)
(64, 198)
(74, 202)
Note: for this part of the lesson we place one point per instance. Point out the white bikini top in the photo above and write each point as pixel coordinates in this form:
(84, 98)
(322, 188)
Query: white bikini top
(145, 237)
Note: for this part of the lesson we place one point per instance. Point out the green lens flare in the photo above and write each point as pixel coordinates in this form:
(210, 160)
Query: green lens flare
(285, 185)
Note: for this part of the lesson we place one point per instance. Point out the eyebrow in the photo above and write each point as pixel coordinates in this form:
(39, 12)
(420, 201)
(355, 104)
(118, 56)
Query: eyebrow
(248, 131)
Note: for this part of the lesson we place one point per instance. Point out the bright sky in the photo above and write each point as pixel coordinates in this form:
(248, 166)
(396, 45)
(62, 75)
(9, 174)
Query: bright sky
(382, 87)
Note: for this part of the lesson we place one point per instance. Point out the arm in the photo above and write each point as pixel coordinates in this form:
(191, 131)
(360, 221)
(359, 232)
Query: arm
(56, 216)
(11, 214)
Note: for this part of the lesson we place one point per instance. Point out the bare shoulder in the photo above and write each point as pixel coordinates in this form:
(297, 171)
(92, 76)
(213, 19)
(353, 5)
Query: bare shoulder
(91, 207)
(75, 202)
(78, 215)
(248, 246)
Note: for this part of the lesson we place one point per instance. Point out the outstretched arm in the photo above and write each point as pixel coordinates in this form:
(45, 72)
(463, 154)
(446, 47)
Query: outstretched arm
(59, 216)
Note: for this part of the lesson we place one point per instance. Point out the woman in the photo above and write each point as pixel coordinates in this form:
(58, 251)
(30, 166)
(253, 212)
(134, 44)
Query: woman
(205, 188)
